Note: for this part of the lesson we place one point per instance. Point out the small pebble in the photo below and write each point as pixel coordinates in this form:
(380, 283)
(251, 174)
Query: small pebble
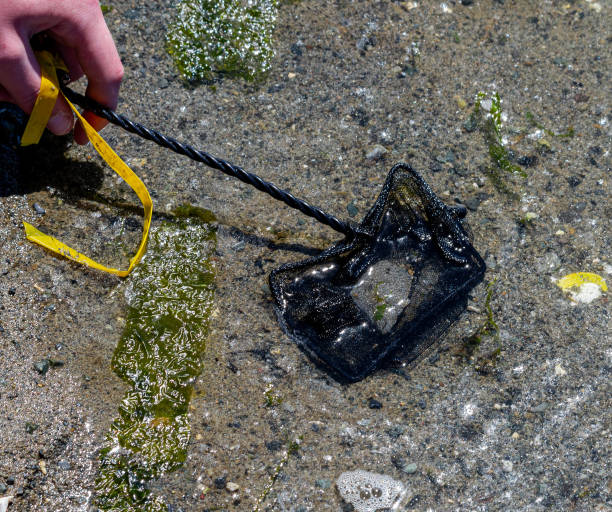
(287, 407)
(472, 203)
(374, 404)
(352, 209)
(544, 143)
(527, 161)
(395, 431)
(410, 468)
(323, 483)
(39, 209)
(30, 427)
(238, 246)
(422, 404)
(471, 124)
(376, 152)
(491, 262)
(232, 486)
(507, 466)
(220, 482)
(274, 446)
(550, 261)
(560, 371)
(132, 14)
(540, 408)
(42, 366)
(10, 480)
(461, 103)
(448, 157)
(365, 43)
(3, 488)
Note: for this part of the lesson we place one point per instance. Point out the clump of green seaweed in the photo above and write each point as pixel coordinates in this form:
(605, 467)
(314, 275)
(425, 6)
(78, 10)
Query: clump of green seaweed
(159, 357)
(212, 37)
(272, 398)
(490, 123)
(492, 128)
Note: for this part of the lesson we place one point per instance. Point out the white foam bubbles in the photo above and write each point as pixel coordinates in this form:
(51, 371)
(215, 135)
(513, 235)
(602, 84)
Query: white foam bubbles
(369, 492)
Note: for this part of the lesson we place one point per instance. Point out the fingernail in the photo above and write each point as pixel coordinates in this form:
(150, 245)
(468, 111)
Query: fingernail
(61, 123)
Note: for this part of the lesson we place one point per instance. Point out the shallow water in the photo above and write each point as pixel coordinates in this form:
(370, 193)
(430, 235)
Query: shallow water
(517, 419)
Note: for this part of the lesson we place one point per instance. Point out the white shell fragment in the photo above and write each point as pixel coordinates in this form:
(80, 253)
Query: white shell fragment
(587, 293)
(369, 492)
(4, 503)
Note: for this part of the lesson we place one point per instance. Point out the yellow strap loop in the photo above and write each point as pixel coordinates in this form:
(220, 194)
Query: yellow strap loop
(49, 89)
(47, 96)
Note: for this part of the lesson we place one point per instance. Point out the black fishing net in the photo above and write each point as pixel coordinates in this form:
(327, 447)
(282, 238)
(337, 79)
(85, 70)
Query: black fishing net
(390, 291)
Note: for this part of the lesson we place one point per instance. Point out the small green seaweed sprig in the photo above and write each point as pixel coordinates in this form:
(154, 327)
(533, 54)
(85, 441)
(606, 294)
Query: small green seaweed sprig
(293, 448)
(492, 128)
(489, 327)
(567, 134)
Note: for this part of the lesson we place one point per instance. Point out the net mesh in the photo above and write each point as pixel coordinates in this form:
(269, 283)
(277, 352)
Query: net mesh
(387, 292)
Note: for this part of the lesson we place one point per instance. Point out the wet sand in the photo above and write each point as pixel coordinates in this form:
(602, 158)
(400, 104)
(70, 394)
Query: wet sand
(520, 421)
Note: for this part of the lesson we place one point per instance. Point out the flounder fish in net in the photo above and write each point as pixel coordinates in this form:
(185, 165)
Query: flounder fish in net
(392, 290)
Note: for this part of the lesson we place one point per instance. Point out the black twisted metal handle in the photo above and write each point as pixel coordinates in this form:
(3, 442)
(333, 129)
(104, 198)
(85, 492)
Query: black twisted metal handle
(211, 161)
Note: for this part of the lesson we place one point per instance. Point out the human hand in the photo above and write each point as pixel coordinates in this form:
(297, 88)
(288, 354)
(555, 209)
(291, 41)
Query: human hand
(81, 37)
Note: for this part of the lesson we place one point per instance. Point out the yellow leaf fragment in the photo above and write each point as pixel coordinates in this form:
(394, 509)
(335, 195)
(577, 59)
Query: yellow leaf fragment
(577, 279)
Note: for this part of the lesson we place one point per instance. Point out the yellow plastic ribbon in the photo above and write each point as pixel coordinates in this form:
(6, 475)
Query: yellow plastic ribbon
(49, 90)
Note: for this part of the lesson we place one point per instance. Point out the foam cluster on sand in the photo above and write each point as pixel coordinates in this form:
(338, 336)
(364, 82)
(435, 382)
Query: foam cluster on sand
(369, 492)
